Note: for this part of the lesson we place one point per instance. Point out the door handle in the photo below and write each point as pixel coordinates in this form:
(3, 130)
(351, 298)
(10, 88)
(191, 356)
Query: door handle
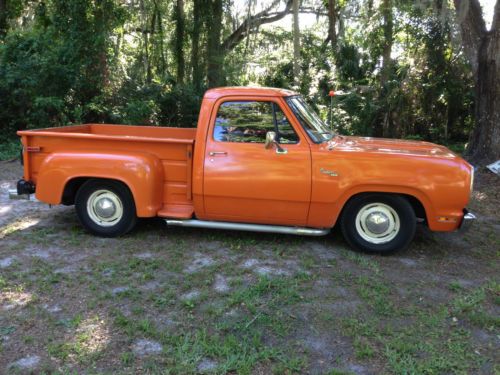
(214, 153)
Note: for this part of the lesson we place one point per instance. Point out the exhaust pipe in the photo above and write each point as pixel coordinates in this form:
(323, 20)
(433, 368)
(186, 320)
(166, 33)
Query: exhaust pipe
(248, 227)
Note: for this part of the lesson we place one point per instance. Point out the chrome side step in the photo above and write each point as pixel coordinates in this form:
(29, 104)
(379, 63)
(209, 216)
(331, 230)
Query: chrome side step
(248, 227)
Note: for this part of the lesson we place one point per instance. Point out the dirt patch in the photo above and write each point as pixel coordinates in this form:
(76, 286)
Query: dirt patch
(199, 262)
(207, 365)
(29, 363)
(144, 348)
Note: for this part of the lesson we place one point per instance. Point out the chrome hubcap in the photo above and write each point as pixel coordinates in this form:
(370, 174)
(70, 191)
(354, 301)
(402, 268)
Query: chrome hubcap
(377, 223)
(104, 208)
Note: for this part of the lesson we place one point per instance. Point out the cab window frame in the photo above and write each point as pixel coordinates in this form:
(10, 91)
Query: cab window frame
(275, 106)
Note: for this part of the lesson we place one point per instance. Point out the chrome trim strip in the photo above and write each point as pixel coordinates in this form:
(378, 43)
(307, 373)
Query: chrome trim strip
(301, 231)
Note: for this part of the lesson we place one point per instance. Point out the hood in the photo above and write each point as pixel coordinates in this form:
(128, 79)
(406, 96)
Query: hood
(390, 146)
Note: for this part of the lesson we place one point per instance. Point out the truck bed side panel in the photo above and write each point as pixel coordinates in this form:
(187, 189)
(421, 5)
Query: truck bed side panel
(167, 151)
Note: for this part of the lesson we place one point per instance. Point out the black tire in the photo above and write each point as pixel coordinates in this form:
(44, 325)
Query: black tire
(395, 209)
(119, 195)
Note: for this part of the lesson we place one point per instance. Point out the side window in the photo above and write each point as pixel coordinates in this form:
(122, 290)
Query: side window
(286, 134)
(246, 122)
(249, 122)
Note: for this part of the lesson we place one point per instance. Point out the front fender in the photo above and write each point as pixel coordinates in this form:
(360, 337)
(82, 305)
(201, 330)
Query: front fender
(398, 189)
(142, 173)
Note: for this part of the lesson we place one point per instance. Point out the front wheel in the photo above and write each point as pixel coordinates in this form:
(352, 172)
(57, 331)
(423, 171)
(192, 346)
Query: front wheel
(378, 223)
(105, 207)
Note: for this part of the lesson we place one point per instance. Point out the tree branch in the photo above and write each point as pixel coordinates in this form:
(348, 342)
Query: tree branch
(254, 22)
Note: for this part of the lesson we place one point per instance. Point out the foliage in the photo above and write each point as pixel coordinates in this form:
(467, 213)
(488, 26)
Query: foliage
(122, 62)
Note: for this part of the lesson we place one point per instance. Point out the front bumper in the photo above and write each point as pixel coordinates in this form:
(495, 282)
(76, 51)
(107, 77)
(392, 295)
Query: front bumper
(467, 221)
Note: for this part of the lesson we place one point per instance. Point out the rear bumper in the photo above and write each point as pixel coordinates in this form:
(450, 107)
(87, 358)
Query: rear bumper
(467, 221)
(23, 190)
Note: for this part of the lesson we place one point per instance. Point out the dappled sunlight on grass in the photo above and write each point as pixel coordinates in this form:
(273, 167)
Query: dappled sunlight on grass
(10, 300)
(18, 225)
(5, 209)
(88, 339)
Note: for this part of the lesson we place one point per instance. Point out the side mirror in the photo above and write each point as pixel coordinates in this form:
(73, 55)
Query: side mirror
(270, 139)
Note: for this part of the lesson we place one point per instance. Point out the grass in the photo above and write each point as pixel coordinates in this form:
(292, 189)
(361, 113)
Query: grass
(431, 342)
(302, 306)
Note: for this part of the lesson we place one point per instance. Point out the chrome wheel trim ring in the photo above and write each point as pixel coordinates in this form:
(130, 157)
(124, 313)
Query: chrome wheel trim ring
(104, 208)
(377, 223)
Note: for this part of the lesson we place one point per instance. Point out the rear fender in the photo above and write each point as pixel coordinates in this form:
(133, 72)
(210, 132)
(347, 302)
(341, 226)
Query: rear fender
(142, 173)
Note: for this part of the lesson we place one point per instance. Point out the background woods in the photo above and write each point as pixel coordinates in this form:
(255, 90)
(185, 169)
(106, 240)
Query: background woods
(413, 69)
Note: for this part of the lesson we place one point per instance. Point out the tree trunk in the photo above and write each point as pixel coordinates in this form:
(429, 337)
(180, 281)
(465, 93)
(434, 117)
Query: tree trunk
(215, 53)
(159, 20)
(483, 50)
(296, 43)
(484, 143)
(145, 38)
(388, 41)
(3, 18)
(332, 23)
(179, 41)
(383, 122)
(101, 43)
(195, 39)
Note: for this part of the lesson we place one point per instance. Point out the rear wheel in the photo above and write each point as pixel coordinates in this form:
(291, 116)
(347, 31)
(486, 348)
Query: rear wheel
(378, 223)
(105, 207)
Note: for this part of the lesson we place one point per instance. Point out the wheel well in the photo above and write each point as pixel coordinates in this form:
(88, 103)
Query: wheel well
(70, 189)
(417, 206)
(73, 185)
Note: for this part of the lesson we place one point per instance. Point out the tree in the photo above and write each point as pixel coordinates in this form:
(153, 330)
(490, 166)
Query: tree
(482, 48)
(3, 17)
(383, 128)
(215, 55)
(332, 23)
(296, 43)
(252, 23)
(217, 50)
(179, 40)
(195, 40)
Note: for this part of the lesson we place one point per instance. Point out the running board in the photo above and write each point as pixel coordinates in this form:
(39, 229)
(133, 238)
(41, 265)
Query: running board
(248, 227)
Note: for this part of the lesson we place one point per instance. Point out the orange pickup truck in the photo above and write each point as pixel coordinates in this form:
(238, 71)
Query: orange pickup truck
(260, 160)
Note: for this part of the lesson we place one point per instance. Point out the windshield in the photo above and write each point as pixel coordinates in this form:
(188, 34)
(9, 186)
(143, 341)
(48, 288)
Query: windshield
(310, 121)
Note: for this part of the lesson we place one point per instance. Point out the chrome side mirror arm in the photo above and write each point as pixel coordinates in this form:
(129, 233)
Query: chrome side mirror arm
(271, 141)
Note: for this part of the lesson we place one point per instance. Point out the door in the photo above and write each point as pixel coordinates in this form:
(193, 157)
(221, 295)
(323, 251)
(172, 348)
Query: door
(244, 181)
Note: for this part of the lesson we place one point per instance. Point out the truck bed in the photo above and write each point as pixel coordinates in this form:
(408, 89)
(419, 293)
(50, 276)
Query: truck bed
(122, 132)
(172, 146)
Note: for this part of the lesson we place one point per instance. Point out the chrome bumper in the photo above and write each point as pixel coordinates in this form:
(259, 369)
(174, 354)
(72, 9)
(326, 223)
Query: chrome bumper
(23, 190)
(467, 220)
(14, 195)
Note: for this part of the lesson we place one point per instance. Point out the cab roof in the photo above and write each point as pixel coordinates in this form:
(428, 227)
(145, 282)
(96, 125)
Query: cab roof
(247, 91)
